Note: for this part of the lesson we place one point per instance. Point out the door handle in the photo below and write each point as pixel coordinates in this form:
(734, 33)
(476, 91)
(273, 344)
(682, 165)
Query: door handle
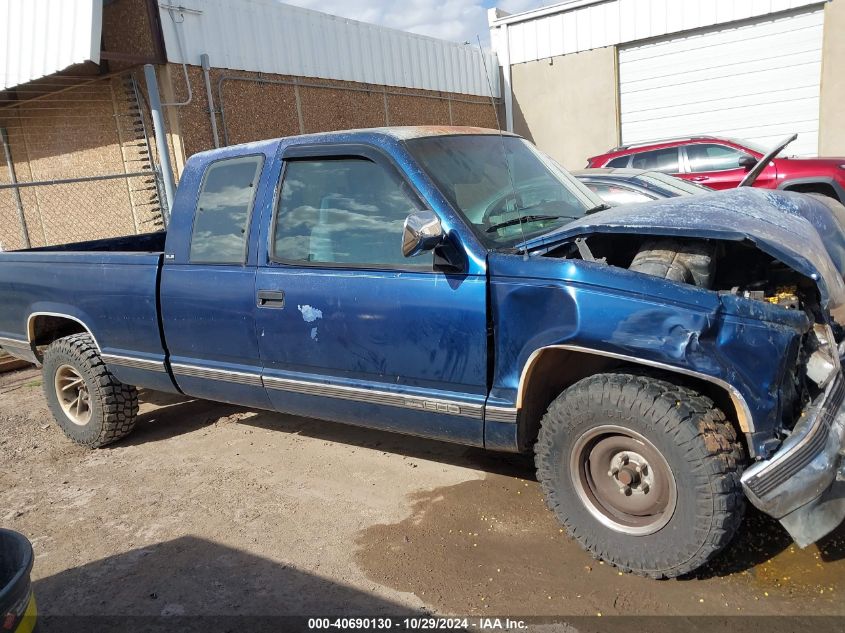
(700, 178)
(271, 299)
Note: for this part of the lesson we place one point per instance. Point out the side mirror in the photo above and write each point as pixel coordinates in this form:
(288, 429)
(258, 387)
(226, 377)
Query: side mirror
(747, 161)
(422, 232)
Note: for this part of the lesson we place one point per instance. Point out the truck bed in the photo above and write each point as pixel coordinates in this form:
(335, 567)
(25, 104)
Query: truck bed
(108, 287)
(144, 243)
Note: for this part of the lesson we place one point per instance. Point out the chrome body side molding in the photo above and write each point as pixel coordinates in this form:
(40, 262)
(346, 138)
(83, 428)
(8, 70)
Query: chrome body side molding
(13, 342)
(501, 414)
(374, 396)
(133, 362)
(19, 349)
(194, 371)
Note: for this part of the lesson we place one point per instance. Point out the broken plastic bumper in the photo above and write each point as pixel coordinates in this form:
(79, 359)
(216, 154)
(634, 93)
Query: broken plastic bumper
(803, 483)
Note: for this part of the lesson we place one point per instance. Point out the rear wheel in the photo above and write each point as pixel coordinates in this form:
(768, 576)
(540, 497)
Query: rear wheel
(89, 404)
(644, 474)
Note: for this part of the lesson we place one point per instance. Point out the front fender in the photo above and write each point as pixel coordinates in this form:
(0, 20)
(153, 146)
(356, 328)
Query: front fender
(608, 311)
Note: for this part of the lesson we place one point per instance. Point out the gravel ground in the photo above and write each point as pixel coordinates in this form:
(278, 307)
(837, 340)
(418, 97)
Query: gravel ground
(214, 509)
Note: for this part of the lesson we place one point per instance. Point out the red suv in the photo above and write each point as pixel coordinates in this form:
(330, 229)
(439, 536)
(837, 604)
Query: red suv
(721, 163)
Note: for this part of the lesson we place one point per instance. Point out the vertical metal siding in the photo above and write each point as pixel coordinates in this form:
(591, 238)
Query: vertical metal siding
(758, 80)
(42, 37)
(271, 37)
(564, 29)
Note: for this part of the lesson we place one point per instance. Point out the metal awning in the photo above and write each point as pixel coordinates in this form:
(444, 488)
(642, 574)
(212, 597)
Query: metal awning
(42, 37)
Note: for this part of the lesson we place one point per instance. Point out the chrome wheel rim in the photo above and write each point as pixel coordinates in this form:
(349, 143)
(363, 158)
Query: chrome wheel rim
(623, 480)
(73, 395)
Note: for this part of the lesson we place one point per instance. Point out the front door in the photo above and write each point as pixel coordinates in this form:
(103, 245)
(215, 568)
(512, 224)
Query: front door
(717, 166)
(349, 327)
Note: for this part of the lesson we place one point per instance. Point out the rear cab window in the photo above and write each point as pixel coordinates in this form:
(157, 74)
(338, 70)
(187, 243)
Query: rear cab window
(663, 160)
(221, 219)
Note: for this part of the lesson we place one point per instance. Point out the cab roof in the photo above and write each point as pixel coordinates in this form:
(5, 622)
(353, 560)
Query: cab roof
(396, 132)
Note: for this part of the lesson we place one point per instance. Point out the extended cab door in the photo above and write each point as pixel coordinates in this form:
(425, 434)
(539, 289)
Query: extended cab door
(348, 328)
(208, 281)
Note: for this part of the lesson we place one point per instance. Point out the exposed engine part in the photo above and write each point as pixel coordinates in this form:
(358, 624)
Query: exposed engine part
(738, 268)
(691, 262)
(756, 295)
(786, 297)
(823, 363)
(584, 250)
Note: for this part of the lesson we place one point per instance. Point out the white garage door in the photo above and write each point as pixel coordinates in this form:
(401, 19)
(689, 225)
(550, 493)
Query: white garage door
(757, 81)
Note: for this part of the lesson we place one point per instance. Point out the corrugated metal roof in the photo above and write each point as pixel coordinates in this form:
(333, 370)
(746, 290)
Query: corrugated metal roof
(581, 25)
(268, 36)
(42, 37)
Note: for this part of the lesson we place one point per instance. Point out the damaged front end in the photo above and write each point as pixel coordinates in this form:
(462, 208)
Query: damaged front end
(801, 484)
(767, 255)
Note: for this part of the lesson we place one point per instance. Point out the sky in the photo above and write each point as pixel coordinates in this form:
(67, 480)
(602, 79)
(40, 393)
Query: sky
(456, 20)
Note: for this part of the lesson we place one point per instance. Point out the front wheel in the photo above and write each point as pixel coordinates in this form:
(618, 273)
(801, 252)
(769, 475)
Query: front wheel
(90, 405)
(644, 474)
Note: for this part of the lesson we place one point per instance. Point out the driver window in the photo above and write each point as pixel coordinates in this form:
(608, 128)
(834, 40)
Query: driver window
(709, 157)
(344, 211)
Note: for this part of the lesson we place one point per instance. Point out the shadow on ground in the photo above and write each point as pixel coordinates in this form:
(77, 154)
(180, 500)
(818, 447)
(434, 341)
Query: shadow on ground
(759, 540)
(191, 584)
(176, 415)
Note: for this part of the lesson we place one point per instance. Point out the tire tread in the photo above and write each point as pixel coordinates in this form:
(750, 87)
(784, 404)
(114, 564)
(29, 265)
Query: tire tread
(696, 425)
(119, 401)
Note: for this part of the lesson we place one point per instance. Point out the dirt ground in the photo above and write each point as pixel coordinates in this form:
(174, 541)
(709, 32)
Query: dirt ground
(214, 509)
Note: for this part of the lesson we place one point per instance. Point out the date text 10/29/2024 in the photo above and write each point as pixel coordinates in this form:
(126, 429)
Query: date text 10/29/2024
(416, 624)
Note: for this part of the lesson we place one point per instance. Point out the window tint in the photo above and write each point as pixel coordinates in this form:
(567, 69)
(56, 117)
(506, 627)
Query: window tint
(709, 157)
(614, 195)
(619, 161)
(344, 211)
(222, 214)
(665, 160)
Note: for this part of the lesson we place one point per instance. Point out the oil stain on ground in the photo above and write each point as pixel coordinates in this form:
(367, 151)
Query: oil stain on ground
(491, 546)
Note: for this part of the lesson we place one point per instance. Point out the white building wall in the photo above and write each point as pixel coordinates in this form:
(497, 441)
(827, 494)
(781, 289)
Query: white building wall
(268, 36)
(580, 25)
(41, 37)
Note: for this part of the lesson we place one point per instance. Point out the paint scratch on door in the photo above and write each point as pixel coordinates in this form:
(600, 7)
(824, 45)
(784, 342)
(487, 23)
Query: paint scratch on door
(310, 314)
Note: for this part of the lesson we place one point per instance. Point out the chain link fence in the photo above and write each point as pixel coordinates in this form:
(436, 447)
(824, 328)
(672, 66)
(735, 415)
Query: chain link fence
(78, 166)
(69, 210)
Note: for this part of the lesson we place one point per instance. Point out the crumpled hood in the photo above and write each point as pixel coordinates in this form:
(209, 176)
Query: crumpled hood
(800, 231)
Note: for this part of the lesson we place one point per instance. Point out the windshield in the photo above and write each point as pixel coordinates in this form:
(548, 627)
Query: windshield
(527, 195)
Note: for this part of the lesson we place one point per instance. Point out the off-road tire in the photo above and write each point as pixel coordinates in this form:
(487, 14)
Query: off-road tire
(113, 405)
(693, 436)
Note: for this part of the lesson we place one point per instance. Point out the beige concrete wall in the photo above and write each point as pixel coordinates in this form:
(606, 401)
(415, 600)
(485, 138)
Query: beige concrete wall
(568, 105)
(832, 103)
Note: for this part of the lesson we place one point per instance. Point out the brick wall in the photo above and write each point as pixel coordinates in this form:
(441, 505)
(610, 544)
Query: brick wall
(251, 110)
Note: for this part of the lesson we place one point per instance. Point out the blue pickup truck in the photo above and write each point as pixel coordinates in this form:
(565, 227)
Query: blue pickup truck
(664, 361)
